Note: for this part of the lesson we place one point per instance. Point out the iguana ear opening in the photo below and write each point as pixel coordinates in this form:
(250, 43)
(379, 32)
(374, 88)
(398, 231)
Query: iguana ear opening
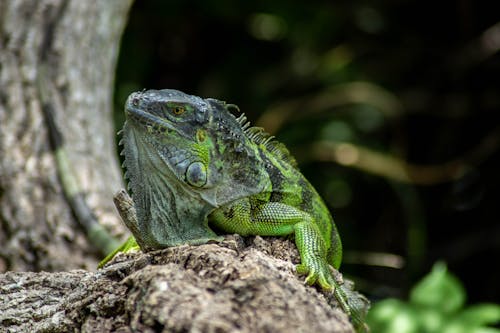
(196, 174)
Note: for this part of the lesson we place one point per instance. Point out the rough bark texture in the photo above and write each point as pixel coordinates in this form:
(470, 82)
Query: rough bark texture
(77, 43)
(227, 287)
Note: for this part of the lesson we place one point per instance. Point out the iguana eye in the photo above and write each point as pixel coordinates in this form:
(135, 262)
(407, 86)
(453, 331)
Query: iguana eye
(178, 110)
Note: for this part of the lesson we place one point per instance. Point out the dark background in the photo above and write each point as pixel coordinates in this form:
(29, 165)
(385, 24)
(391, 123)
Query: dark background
(411, 81)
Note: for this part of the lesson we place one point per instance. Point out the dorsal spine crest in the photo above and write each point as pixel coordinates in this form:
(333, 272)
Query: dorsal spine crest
(260, 137)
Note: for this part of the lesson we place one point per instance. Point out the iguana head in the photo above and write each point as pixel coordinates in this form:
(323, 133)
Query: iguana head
(195, 142)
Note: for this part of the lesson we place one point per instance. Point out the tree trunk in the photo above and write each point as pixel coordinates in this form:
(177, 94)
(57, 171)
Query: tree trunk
(75, 45)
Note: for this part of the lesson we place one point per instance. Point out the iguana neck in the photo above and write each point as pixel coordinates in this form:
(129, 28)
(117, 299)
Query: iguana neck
(167, 213)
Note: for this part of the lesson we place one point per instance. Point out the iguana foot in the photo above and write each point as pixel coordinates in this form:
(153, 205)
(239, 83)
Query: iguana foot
(353, 304)
(129, 245)
(318, 272)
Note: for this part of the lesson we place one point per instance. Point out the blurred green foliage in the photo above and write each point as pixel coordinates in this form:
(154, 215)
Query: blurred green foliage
(390, 107)
(436, 305)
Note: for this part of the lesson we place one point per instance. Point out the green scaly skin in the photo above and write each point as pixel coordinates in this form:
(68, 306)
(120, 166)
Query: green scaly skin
(191, 163)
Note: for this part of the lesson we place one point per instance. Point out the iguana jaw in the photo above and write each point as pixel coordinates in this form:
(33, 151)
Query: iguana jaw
(168, 212)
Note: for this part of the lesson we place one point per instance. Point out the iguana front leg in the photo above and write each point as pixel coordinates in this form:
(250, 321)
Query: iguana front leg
(313, 252)
(125, 206)
(249, 217)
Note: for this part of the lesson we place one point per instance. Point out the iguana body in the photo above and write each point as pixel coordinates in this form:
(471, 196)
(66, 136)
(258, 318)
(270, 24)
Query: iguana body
(192, 165)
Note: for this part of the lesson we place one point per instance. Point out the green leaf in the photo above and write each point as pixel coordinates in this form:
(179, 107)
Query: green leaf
(439, 290)
(431, 320)
(460, 324)
(386, 310)
(392, 316)
(481, 314)
(485, 330)
(406, 321)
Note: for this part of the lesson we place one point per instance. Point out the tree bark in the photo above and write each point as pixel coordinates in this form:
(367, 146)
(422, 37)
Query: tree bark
(227, 287)
(77, 43)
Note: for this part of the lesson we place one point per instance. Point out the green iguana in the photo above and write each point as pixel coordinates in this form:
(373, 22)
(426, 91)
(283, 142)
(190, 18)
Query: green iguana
(192, 164)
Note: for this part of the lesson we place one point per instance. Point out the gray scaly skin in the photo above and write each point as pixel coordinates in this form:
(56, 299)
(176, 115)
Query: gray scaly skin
(191, 163)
